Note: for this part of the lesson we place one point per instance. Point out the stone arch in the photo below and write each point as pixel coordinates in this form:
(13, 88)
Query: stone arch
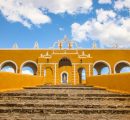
(64, 81)
(100, 65)
(31, 64)
(48, 75)
(120, 65)
(10, 64)
(65, 62)
(81, 74)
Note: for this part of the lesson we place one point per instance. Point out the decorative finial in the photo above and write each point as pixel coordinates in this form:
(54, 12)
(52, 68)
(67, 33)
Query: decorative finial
(70, 45)
(47, 53)
(36, 45)
(94, 44)
(41, 55)
(83, 53)
(115, 45)
(15, 46)
(65, 38)
(60, 45)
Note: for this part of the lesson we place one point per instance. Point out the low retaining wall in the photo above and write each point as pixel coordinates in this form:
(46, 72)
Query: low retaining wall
(11, 81)
(114, 82)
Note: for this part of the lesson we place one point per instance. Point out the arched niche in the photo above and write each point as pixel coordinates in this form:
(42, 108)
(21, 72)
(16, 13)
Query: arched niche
(65, 62)
(64, 77)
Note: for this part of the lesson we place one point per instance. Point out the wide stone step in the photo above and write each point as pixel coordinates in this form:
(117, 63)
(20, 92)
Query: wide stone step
(105, 102)
(62, 98)
(64, 95)
(52, 86)
(64, 111)
(37, 116)
(12, 105)
(61, 91)
(103, 95)
(32, 94)
(70, 88)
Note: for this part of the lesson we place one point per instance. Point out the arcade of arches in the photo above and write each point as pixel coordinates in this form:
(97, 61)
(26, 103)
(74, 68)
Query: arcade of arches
(65, 66)
(71, 68)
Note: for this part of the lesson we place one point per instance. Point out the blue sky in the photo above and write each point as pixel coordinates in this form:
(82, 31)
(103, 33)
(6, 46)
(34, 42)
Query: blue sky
(25, 21)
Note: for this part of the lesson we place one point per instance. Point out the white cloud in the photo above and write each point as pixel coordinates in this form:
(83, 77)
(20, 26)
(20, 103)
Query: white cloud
(104, 1)
(27, 14)
(125, 69)
(33, 12)
(62, 6)
(105, 15)
(27, 72)
(61, 29)
(126, 23)
(121, 4)
(107, 32)
(79, 32)
(8, 69)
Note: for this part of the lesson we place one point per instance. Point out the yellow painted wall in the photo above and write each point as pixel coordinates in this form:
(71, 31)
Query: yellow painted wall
(11, 81)
(20, 56)
(114, 82)
(111, 56)
(49, 78)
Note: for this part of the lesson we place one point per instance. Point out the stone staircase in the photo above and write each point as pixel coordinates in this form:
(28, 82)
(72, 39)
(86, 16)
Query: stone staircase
(64, 103)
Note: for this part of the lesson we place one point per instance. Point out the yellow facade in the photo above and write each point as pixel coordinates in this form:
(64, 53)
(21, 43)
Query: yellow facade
(65, 65)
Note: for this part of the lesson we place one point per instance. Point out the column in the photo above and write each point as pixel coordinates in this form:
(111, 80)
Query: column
(55, 75)
(90, 69)
(74, 76)
(40, 70)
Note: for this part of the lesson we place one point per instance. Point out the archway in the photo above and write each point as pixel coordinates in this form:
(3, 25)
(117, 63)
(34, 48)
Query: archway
(65, 62)
(82, 75)
(29, 67)
(9, 66)
(122, 67)
(101, 68)
(64, 77)
(48, 75)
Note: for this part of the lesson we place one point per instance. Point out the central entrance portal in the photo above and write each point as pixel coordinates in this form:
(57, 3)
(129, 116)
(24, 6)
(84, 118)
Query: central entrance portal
(64, 78)
(64, 63)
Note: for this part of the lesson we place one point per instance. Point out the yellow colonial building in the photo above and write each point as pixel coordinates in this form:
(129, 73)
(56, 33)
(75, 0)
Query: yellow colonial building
(65, 62)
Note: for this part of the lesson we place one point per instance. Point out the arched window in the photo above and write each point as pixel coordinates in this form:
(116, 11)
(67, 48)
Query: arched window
(122, 67)
(65, 62)
(82, 74)
(101, 68)
(9, 66)
(29, 67)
